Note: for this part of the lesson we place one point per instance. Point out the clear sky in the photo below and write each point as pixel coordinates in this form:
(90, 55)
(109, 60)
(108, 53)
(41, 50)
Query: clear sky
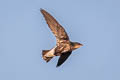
(24, 34)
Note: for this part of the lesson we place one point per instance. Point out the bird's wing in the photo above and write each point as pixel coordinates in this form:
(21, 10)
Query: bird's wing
(55, 27)
(63, 58)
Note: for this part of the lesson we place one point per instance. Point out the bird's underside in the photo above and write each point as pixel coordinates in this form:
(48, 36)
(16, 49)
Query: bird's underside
(63, 46)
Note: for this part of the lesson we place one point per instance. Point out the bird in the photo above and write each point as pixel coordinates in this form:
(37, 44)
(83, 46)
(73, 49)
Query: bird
(64, 46)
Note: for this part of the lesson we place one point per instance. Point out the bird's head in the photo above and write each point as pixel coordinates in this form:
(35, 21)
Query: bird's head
(76, 45)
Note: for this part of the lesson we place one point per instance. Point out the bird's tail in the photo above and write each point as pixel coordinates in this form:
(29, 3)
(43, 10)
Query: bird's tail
(47, 59)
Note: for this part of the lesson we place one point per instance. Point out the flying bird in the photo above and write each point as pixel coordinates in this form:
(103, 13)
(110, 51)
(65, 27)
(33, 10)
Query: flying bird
(64, 46)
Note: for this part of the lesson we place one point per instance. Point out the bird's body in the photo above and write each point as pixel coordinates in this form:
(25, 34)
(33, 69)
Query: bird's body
(64, 46)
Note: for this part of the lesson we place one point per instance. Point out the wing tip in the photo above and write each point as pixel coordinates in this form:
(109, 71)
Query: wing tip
(41, 9)
(57, 66)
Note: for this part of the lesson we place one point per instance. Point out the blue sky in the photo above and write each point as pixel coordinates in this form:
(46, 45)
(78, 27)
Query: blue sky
(24, 34)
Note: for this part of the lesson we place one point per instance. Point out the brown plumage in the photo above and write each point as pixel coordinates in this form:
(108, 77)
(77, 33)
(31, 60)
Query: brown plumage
(64, 46)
